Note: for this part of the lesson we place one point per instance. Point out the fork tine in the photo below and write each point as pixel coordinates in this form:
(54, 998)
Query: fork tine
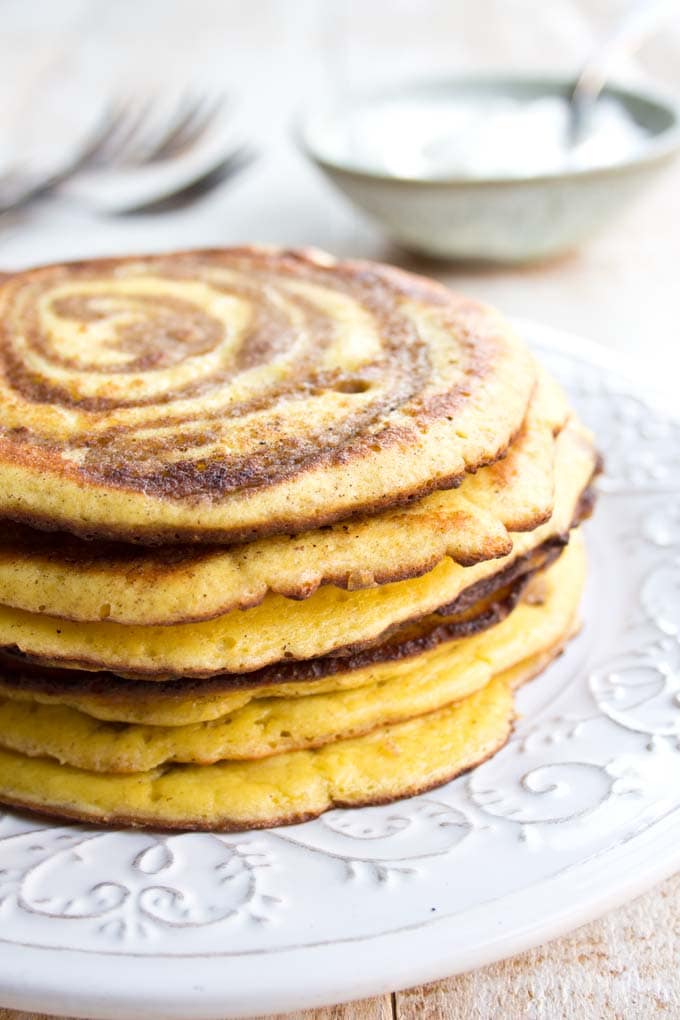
(114, 115)
(212, 109)
(117, 146)
(189, 126)
(232, 165)
(19, 185)
(145, 148)
(122, 137)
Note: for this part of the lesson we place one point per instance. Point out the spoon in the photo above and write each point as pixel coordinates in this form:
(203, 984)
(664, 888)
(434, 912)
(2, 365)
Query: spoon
(642, 19)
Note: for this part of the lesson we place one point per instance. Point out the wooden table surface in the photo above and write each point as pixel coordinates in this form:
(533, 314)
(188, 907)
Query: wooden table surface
(620, 290)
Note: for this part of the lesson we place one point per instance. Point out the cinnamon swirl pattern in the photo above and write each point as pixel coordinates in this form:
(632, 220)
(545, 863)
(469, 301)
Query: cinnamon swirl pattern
(277, 533)
(220, 395)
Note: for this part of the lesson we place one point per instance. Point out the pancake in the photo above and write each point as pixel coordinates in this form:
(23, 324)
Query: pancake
(390, 763)
(395, 693)
(67, 577)
(24, 674)
(222, 395)
(109, 697)
(330, 621)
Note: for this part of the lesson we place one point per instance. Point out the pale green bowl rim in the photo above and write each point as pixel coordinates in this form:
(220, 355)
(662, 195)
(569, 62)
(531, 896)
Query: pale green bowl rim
(660, 147)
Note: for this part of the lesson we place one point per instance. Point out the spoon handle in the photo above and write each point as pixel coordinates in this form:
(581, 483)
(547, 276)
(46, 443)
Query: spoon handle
(643, 18)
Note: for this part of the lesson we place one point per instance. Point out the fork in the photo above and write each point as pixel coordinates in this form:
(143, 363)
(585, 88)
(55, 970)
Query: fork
(131, 135)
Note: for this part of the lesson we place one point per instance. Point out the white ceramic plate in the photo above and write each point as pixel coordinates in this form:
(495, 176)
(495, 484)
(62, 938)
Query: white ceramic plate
(579, 812)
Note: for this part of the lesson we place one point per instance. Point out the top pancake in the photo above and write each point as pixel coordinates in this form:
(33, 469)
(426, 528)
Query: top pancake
(223, 395)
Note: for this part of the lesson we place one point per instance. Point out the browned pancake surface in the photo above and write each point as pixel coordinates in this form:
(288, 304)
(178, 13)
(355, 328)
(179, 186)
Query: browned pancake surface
(219, 395)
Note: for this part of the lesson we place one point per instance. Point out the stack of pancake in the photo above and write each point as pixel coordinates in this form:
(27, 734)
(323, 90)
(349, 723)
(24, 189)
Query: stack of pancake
(277, 533)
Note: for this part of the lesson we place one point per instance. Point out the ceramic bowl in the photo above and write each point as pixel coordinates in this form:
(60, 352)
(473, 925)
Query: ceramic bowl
(498, 218)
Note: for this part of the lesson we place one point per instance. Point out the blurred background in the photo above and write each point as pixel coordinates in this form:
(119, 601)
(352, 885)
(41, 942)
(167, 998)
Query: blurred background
(233, 77)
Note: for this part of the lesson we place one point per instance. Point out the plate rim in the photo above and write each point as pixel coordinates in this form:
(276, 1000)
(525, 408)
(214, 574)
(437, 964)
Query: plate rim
(201, 1003)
